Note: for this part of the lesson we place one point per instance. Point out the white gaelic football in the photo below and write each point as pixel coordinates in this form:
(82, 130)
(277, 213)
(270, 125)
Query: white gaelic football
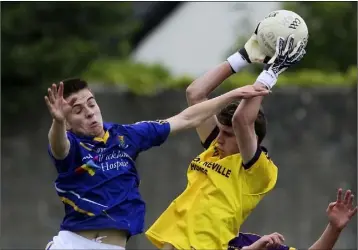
(280, 23)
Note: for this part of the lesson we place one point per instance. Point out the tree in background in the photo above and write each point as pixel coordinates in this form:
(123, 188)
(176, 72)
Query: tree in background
(332, 26)
(43, 41)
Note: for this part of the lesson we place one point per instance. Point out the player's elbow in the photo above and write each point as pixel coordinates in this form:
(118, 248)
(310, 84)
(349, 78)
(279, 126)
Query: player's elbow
(189, 121)
(59, 148)
(194, 95)
(180, 122)
(58, 151)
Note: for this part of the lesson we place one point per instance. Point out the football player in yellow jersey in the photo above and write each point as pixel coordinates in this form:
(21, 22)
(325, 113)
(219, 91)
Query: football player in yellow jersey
(227, 180)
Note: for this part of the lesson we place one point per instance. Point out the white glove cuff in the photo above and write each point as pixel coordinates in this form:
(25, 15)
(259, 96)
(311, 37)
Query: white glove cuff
(267, 78)
(237, 61)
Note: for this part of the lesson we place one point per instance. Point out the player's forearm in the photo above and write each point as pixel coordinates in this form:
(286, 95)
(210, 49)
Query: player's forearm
(205, 84)
(258, 245)
(198, 113)
(327, 240)
(194, 115)
(246, 112)
(58, 139)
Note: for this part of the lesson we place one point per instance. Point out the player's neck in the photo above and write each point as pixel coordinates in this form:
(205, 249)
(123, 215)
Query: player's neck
(223, 155)
(101, 134)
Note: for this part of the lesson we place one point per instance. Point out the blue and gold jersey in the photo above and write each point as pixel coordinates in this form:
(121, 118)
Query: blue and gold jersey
(247, 239)
(98, 181)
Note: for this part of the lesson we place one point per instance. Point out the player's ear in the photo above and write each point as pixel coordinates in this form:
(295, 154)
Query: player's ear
(68, 126)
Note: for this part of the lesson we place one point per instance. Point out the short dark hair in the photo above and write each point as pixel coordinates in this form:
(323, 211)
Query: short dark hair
(226, 114)
(73, 85)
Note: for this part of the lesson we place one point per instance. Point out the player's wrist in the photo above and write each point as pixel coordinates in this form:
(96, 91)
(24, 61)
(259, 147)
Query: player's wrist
(256, 245)
(333, 228)
(60, 122)
(244, 54)
(237, 61)
(267, 78)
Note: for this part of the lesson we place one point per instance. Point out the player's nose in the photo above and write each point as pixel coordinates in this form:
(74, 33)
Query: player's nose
(89, 114)
(220, 139)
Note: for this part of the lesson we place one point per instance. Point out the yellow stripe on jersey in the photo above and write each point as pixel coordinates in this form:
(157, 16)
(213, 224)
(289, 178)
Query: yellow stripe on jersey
(75, 207)
(219, 196)
(88, 169)
(84, 146)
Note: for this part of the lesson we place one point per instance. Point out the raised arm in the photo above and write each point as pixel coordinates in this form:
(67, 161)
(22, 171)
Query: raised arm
(58, 108)
(59, 143)
(247, 111)
(339, 214)
(194, 115)
(199, 90)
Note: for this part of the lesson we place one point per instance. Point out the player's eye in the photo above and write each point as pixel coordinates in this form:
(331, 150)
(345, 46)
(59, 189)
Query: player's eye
(91, 103)
(77, 110)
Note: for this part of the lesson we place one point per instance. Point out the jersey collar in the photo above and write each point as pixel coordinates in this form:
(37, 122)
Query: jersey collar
(106, 127)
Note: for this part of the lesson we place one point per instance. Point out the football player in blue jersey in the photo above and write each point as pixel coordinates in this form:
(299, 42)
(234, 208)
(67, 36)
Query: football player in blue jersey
(97, 180)
(339, 214)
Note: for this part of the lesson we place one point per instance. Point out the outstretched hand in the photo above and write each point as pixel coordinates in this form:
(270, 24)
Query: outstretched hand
(341, 211)
(250, 91)
(270, 241)
(59, 108)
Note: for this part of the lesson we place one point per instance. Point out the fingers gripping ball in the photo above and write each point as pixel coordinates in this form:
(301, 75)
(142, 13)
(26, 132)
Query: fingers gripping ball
(280, 23)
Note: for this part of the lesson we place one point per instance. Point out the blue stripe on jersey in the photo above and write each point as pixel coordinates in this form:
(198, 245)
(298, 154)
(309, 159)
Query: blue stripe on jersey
(98, 181)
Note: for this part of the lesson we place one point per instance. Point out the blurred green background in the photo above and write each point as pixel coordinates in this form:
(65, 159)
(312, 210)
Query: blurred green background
(46, 42)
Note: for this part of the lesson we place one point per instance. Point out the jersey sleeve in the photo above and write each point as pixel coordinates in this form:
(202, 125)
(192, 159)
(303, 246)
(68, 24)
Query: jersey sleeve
(260, 174)
(65, 164)
(147, 134)
(247, 239)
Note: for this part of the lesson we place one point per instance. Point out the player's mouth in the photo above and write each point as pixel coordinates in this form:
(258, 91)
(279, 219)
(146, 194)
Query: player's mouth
(94, 124)
(221, 151)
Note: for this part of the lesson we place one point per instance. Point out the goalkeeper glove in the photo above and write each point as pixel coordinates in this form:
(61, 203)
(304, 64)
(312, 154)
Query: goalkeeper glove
(285, 56)
(250, 53)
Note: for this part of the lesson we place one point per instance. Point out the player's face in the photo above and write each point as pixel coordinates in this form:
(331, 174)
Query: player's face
(85, 117)
(226, 139)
